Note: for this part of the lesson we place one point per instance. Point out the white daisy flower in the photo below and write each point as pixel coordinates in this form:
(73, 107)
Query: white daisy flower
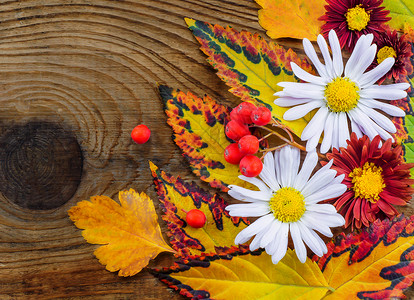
(339, 99)
(287, 201)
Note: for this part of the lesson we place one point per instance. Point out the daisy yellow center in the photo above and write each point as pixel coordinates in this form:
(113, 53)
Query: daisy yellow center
(357, 18)
(341, 94)
(287, 205)
(368, 182)
(384, 53)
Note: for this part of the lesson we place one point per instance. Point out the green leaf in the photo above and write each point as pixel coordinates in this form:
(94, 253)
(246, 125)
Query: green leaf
(401, 12)
(251, 66)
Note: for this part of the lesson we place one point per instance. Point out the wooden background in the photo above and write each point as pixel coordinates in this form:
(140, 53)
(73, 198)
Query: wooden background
(75, 77)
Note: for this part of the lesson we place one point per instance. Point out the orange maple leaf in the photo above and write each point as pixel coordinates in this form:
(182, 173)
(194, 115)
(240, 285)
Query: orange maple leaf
(295, 18)
(130, 231)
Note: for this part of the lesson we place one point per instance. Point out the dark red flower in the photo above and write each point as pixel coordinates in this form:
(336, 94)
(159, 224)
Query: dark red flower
(377, 178)
(389, 44)
(353, 18)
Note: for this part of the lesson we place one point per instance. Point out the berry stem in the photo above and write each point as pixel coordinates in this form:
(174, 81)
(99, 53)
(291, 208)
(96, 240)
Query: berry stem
(184, 210)
(291, 142)
(265, 137)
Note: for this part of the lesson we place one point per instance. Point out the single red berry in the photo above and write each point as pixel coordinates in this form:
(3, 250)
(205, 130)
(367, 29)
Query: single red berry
(261, 116)
(234, 115)
(251, 165)
(196, 218)
(232, 154)
(235, 130)
(140, 134)
(249, 144)
(244, 111)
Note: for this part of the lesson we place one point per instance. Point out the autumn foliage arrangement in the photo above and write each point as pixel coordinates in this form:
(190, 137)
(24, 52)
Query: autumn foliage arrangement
(319, 148)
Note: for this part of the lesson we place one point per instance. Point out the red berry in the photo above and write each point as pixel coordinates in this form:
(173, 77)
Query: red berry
(261, 116)
(196, 218)
(235, 130)
(234, 115)
(250, 165)
(232, 154)
(249, 144)
(244, 111)
(140, 134)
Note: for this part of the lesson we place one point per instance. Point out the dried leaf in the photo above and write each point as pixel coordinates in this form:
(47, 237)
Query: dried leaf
(130, 231)
(401, 12)
(248, 276)
(250, 66)
(377, 263)
(291, 18)
(198, 126)
(217, 236)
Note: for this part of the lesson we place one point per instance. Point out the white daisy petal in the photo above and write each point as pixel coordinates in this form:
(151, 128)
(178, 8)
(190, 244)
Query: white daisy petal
(259, 195)
(329, 219)
(379, 92)
(338, 64)
(323, 46)
(308, 166)
(281, 247)
(309, 239)
(370, 77)
(290, 101)
(343, 133)
(255, 244)
(316, 124)
(311, 93)
(313, 141)
(335, 131)
(300, 111)
(285, 162)
(311, 54)
(355, 128)
(242, 197)
(364, 62)
(378, 118)
(317, 182)
(257, 182)
(334, 190)
(380, 131)
(248, 210)
(257, 226)
(270, 233)
(268, 172)
(305, 76)
(294, 166)
(338, 179)
(300, 248)
(327, 133)
(353, 60)
(390, 109)
(361, 120)
(322, 208)
(313, 223)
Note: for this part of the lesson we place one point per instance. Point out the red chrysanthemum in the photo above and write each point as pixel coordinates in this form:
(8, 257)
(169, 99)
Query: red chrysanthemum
(390, 45)
(353, 18)
(377, 178)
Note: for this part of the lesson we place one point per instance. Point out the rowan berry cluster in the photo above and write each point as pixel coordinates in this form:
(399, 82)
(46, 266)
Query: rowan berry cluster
(246, 145)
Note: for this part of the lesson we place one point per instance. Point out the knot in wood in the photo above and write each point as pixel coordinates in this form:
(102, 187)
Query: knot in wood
(40, 165)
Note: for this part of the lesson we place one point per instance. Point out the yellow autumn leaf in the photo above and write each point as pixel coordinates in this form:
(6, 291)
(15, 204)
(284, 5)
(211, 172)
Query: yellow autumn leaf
(253, 277)
(129, 232)
(291, 18)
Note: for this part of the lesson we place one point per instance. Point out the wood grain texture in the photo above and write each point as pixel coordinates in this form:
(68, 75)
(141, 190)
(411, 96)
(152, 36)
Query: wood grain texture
(92, 67)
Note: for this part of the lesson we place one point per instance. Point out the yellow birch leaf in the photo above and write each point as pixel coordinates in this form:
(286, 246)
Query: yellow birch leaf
(129, 232)
(248, 277)
(291, 18)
